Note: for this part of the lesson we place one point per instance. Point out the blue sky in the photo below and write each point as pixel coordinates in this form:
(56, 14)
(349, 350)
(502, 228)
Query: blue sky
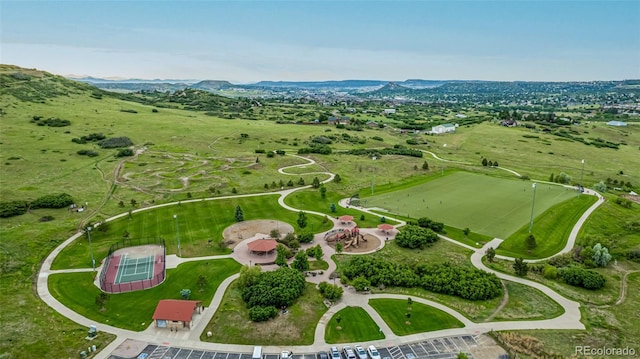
(243, 41)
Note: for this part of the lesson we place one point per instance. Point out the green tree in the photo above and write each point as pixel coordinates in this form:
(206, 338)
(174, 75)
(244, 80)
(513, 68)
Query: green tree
(275, 233)
(281, 255)
(331, 292)
(301, 181)
(133, 202)
(338, 247)
(551, 179)
(462, 356)
(290, 183)
(332, 208)
(412, 236)
(409, 301)
(302, 219)
(600, 187)
(338, 319)
(490, 253)
(121, 204)
(125, 234)
(101, 300)
(337, 178)
(315, 183)
(323, 192)
(249, 276)
(300, 262)
(360, 283)
(601, 255)
(362, 217)
(520, 267)
(485, 162)
(466, 231)
(239, 215)
(530, 242)
(234, 190)
(185, 294)
(425, 165)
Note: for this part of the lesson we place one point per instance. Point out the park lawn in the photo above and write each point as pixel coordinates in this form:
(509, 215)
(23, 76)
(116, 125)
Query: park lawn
(611, 224)
(423, 317)
(527, 303)
(355, 326)
(318, 265)
(133, 310)
(311, 200)
(231, 324)
(198, 222)
(487, 205)
(551, 230)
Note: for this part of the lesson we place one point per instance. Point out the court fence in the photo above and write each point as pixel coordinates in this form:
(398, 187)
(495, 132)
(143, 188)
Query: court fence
(108, 284)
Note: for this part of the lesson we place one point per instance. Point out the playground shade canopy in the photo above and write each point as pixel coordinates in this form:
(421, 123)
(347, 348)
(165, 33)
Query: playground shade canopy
(262, 245)
(385, 227)
(175, 310)
(346, 218)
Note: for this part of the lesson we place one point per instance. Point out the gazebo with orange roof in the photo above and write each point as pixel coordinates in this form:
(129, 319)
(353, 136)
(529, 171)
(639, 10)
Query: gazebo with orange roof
(345, 218)
(262, 246)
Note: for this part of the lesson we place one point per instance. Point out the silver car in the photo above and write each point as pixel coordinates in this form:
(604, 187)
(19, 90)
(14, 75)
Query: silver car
(335, 353)
(360, 352)
(348, 352)
(373, 352)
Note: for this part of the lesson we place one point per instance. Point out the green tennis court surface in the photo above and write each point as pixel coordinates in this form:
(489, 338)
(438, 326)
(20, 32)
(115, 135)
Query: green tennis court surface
(492, 206)
(134, 269)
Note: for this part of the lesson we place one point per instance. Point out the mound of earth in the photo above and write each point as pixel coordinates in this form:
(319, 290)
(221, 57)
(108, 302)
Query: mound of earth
(235, 233)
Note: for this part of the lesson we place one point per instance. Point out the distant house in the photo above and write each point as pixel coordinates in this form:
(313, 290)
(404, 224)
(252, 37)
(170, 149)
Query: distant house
(460, 115)
(339, 120)
(176, 314)
(389, 111)
(444, 128)
(372, 124)
(509, 123)
(617, 123)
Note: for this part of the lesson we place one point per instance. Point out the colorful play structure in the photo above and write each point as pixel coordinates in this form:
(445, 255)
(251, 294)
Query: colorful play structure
(348, 237)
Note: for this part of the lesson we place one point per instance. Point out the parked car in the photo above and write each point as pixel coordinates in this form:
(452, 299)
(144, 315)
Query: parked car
(348, 352)
(285, 354)
(373, 352)
(360, 352)
(335, 353)
(324, 355)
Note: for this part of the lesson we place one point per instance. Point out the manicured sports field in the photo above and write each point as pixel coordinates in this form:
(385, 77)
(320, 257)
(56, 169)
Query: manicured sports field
(492, 206)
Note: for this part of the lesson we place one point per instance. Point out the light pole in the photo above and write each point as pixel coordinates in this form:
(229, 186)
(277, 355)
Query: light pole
(93, 261)
(533, 203)
(581, 174)
(175, 216)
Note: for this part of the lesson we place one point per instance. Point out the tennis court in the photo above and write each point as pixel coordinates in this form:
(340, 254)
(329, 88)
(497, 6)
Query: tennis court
(135, 269)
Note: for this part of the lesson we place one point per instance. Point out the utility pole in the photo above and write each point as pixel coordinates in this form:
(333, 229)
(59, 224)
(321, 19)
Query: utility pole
(93, 261)
(533, 203)
(175, 216)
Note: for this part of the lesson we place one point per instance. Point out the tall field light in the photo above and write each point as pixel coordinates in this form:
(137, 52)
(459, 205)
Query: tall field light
(175, 216)
(581, 176)
(533, 203)
(93, 261)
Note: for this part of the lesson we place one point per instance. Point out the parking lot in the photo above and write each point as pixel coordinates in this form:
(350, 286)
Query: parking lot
(438, 348)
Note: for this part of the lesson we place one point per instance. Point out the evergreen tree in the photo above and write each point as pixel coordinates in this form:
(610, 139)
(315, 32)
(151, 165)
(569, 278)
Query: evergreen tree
(300, 262)
(239, 215)
(530, 242)
(323, 192)
(302, 219)
(337, 178)
(281, 255)
(521, 267)
(315, 183)
(491, 254)
(485, 162)
(551, 178)
(425, 165)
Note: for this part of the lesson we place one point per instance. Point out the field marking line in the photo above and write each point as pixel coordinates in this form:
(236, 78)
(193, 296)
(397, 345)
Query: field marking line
(123, 259)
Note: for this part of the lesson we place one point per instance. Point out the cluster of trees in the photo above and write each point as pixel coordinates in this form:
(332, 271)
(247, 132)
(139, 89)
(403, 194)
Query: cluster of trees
(16, 208)
(115, 142)
(89, 153)
(425, 222)
(316, 148)
(51, 121)
(581, 277)
(331, 292)
(93, 137)
(265, 292)
(124, 152)
(467, 283)
(489, 163)
(415, 237)
(395, 150)
(561, 178)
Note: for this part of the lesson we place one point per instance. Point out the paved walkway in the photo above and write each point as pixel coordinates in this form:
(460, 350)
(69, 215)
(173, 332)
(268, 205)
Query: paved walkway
(569, 320)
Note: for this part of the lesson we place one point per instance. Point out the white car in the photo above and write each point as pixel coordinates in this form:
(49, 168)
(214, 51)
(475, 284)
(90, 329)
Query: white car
(373, 352)
(335, 353)
(360, 352)
(285, 355)
(348, 352)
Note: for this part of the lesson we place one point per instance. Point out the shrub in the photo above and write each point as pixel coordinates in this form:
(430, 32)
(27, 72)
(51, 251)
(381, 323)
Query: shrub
(89, 153)
(115, 142)
(331, 292)
(305, 237)
(550, 272)
(580, 277)
(412, 236)
(360, 284)
(58, 200)
(262, 314)
(260, 151)
(279, 288)
(125, 152)
(13, 208)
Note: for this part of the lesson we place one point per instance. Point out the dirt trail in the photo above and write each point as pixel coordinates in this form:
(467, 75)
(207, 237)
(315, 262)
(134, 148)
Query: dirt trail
(623, 288)
(503, 302)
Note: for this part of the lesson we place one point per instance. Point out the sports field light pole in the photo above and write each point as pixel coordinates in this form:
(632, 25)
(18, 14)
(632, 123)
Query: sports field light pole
(581, 174)
(175, 216)
(93, 261)
(533, 203)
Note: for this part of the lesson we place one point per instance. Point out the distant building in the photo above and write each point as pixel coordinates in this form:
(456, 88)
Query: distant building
(461, 115)
(389, 111)
(175, 314)
(617, 123)
(372, 124)
(444, 128)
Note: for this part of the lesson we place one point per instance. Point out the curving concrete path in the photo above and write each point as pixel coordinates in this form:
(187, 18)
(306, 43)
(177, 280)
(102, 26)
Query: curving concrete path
(569, 320)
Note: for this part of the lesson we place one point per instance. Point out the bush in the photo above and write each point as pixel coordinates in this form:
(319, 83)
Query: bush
(412, 236)
(89, 153)
(125, 152)
(550, 272)
(331, 292)
(51, 122)
(580, 277)
(58, 200)
(360, 284)
(262, 314)
(425, 222)
(279, 288)
(305, 237)
(115, 142)
(13, 208)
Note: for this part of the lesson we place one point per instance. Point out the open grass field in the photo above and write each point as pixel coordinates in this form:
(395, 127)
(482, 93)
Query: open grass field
(487, 205)
(551, 229)
(198, 222)
(423, 317)
(527, 303)
(230, 324)
(133, 310)
(355, 326)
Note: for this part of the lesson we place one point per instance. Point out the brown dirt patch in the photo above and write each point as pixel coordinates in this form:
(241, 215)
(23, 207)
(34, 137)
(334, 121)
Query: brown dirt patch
(237, 232)
(140, 251)
(632, 197)
(372, 242)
